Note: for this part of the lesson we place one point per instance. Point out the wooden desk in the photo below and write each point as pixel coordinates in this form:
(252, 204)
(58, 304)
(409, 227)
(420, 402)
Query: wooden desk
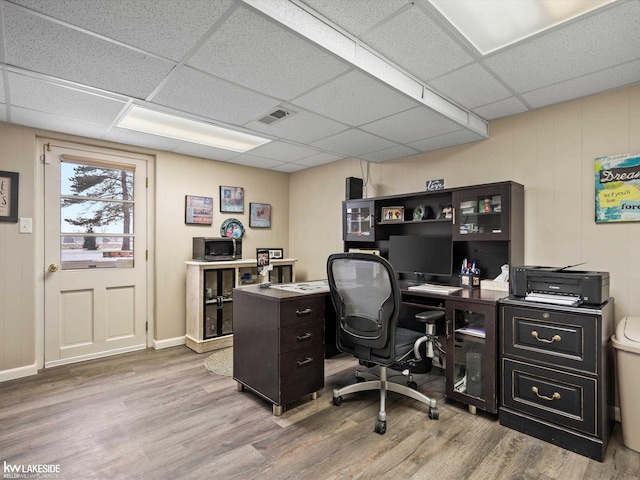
(280, 337)
(471, 342)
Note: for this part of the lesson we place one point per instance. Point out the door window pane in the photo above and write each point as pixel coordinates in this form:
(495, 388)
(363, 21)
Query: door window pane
(96, 216)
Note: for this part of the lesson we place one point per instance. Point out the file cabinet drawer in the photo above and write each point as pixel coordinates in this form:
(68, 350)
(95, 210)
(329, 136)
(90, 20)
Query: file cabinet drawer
(301, 372)
(551, 395)
(303, 310)
(553, 338)
(301, 335)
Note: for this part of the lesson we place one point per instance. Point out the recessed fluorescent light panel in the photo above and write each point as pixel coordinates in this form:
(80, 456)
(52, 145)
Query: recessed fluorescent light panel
(171, 126)
(493, 24)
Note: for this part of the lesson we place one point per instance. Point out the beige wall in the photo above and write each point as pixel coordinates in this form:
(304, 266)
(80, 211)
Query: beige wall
(177, 176)
(550, 151)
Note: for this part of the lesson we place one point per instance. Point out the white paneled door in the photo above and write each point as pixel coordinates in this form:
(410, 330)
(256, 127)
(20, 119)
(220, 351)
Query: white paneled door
(95, 253)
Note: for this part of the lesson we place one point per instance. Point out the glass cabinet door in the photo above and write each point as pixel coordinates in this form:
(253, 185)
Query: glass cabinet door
(481, 214)
(471, 355)
(359, 221)
(218, 310)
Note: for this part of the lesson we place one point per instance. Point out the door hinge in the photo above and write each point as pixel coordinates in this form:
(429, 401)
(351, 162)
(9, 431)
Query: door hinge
(146, 254)
(146, 182)
(146, 326)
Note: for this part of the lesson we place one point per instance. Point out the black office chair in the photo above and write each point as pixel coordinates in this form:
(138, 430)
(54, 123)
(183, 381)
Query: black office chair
(365, 293)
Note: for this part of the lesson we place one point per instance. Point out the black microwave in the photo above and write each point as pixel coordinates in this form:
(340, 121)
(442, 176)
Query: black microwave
(216, 249)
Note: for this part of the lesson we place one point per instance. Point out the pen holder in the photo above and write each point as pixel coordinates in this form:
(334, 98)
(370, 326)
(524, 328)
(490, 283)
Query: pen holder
(469, 280)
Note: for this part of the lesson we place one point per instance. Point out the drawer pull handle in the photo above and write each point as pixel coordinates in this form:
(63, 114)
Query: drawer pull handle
(305, 361)
(302, 313)
(555, 338)
(303, 337)
(555, 396)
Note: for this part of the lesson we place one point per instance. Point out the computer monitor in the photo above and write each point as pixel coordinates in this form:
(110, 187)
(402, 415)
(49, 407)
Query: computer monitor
(421, 255)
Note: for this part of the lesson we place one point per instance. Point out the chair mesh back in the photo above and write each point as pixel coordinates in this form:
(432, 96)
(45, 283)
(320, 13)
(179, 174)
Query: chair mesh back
(366, 297)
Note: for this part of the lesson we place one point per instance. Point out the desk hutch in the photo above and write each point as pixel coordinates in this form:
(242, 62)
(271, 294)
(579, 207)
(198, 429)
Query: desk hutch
(486, 224)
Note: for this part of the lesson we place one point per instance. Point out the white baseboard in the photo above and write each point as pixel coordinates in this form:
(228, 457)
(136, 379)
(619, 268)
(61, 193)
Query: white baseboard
(82, 358)
(18, 372)
(169, 342)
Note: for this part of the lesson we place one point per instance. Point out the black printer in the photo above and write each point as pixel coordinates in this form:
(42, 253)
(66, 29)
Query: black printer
(560, 284)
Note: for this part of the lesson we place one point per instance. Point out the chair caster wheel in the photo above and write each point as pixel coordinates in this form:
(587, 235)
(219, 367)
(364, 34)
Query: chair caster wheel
(413, 385)
(433, 413)
(337, 401)
(381, 427)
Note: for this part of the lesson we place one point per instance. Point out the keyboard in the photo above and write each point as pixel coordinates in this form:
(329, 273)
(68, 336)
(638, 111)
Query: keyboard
(433, 288)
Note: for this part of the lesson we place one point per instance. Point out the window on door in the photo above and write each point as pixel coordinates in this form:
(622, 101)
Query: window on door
(96, 216)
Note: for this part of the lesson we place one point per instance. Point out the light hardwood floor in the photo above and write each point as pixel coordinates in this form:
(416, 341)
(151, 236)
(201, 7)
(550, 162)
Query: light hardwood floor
(162, 415)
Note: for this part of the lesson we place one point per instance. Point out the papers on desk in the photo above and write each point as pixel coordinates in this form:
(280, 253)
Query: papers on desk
(565, 300)
(432, 288)
(317, 286)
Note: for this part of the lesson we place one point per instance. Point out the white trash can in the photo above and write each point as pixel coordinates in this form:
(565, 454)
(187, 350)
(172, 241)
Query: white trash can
(626, 341)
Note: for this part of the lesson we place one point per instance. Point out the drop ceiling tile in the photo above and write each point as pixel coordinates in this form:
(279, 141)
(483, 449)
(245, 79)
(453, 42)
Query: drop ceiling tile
(608, 79)
(2, 100)
(470, 86)
(289, 168)
(356, 16)
(283, 151)
(447, 140)
(301, 127)
(574, 50)
(253, 51)
(501, 108)
(258, 162)
(412, 125)
(204, 151)
(55, 123)
(3, 112)
(166, 28)
(192, 91)
(319, 159)
(389, 154)
(353, 143)
(36, 94)
(355, 99)
(416, 43)
(40, 45)
(130, 137)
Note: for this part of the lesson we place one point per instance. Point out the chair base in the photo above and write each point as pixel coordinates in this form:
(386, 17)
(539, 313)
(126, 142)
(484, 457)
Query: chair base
(383, 384)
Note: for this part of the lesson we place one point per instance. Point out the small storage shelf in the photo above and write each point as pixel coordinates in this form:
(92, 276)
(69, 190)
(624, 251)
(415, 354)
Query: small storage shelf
(209, 305)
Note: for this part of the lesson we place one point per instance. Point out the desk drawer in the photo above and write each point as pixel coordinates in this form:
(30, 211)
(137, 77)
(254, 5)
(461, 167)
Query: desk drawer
(301, 335)
(560, 398)
(301, 373)
(303, 310)
(553, 338)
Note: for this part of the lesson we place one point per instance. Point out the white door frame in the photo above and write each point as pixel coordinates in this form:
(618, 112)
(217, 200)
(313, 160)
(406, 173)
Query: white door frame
(40, 159)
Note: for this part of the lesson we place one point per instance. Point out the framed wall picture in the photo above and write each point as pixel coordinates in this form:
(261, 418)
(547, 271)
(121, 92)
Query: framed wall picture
(9, 197)
(392, 214)
(276, 253)
(198, 210)
(260, 215)
(618, 188)
(231, 199)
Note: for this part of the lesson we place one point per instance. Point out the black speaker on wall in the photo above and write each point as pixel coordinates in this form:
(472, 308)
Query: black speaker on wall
(354, 188)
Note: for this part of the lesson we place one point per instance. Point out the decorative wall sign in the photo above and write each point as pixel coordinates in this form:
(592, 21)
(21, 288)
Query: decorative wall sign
(618, 188)
(198, 210)
(9, 197)
(260, 215)
(231, 199)
(433, 185)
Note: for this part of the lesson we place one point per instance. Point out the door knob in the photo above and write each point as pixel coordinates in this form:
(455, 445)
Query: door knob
(53, 267)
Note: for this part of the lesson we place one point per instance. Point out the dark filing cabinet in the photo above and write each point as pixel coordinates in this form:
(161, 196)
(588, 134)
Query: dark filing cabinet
(278, 340)
(557, 373)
